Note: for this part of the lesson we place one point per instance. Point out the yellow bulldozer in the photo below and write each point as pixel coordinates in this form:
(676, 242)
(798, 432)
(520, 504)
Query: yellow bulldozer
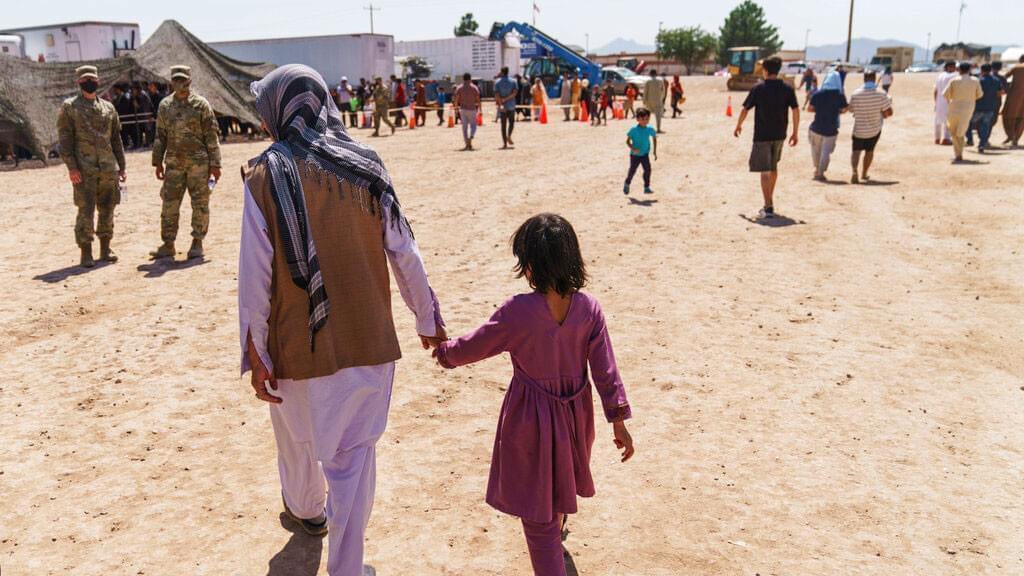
(745, 69)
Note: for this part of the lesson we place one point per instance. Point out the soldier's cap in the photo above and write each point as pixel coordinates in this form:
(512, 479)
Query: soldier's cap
(181, 72)
(87, 71)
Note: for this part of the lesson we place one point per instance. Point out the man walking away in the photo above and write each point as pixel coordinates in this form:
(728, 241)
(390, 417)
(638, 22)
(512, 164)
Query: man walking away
(870, 106)
(1013, 110)
(186, 155)
(941, 106)
(89, 132)
(565, 97)
(770, 99)
(381, 102)
(961, 94)
(987, 108)
(505, 93)
(467, 101)
(654, 98)
(826, 104)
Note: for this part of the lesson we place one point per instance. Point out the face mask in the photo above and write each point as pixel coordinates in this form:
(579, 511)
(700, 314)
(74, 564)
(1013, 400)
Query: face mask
(89, 86)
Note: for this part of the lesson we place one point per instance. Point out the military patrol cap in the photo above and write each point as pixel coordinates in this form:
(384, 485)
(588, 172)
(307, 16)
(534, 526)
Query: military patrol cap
(87, 71)
(181, 72)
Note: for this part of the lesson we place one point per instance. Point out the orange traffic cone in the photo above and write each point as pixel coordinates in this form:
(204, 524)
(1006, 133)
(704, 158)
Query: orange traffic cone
(412, 116)
(480, 119)
(728, 107)
(584, 117)
(451, 118)
(366, 120)
(544, 114)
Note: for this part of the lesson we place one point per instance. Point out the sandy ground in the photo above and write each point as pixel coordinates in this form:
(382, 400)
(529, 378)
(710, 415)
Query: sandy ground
(842, 395)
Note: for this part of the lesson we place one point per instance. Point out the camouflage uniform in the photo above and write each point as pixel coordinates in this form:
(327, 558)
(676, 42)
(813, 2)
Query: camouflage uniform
(90, 142)
(381, 101)
(188, 145)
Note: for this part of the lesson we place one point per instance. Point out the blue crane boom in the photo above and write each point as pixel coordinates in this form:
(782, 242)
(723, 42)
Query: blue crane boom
(586, 67)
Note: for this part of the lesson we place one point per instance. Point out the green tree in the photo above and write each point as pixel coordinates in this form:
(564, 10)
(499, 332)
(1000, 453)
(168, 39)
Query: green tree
(691, 46)
(747, 26)
(467, 25)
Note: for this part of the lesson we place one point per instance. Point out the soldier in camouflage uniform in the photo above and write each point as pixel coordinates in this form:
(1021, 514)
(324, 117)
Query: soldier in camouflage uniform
(90, 145)
(381, 102)
(186, 154)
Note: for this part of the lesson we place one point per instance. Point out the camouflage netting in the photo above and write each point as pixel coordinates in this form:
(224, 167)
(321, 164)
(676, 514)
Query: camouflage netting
(31, 92)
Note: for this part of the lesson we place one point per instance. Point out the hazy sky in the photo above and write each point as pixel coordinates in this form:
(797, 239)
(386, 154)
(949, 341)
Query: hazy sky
(984, 21)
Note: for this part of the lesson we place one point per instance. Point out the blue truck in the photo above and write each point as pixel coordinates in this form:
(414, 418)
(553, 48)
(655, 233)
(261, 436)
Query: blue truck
(549, 58)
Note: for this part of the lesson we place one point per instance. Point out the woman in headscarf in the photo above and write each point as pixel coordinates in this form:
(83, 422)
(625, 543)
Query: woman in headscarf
(826, 104)
(320, 221)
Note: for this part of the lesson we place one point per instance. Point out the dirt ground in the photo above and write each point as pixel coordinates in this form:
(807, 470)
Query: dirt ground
(839, 394)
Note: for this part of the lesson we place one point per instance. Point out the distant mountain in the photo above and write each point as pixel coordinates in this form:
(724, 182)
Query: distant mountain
(622, 45)
(861, 50)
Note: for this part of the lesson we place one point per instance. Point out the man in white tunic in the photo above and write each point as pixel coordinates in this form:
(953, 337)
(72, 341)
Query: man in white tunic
(942, 135)
(320, 222)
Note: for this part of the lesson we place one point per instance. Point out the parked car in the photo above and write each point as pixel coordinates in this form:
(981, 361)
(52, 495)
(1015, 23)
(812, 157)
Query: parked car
(794, 68)
(620, 77)
(918, 67)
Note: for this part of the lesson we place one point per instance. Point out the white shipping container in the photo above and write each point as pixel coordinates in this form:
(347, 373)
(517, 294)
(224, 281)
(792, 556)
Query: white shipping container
(10, 45)
(353, 55)
(78, 41)
(454, 57)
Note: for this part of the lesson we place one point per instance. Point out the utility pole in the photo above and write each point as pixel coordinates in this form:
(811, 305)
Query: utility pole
(928, 49)
(586, 51)
(372, 10)
(807, 35)
(849, 33)
(963, 6)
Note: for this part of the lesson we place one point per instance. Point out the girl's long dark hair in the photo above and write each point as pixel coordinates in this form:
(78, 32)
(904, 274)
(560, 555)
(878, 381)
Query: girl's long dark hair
(547, 246)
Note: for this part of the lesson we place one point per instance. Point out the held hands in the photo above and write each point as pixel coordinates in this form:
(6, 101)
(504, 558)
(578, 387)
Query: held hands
(793, 139)
(215, 172)
(75, 176)
(122, 175)
(160, 172)
(623, 441)
(432, 342)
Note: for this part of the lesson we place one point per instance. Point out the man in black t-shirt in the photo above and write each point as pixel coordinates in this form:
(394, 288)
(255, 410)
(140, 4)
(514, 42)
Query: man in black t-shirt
(770, 99)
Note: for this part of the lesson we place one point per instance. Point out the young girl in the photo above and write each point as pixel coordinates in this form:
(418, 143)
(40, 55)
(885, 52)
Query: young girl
(541, 459)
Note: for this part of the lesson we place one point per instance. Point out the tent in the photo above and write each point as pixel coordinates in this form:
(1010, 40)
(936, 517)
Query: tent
(31, 92)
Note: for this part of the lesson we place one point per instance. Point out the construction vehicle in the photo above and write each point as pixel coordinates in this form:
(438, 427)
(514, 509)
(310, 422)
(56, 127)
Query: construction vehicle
(745, 68)
(551, 59)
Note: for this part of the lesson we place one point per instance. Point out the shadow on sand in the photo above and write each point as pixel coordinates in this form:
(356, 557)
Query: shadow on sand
(300, 555)
(778, 221)
(879, 182)
(644, 203)
(62, 274)
(158, 268)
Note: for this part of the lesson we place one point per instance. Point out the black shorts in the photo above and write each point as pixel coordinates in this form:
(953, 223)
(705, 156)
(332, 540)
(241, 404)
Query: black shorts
(765, 156)
(867, 144)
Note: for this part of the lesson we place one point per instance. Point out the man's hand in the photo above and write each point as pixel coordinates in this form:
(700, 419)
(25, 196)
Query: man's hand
(432, 342)
(160, 172)
(75, 176)
(793, 139)
(739, 130)
(261, 376)
(215, 172)
(122, 175)
(623, 441)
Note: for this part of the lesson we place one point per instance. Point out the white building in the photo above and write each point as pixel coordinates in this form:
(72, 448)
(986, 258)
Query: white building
(353, 55)
(10, 45)
(481, 57)
(77, 41)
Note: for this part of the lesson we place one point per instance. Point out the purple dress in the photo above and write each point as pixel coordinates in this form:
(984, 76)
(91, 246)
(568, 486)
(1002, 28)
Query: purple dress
(541, 459)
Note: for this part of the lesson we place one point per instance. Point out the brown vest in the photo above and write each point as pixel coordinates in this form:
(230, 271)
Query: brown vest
(348, 231)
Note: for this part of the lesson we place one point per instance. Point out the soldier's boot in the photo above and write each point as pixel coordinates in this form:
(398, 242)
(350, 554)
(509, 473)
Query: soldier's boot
(87, 261)
(166, 250)
(106, 254)
(196, 251)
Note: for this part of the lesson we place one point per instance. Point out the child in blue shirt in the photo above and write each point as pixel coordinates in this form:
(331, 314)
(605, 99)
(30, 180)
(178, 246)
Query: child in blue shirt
(639, 140)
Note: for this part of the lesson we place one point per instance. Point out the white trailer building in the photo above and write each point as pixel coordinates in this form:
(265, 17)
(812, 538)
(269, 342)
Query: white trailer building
(353, 55)
(481, 57)
(76, 41)
(10, 45)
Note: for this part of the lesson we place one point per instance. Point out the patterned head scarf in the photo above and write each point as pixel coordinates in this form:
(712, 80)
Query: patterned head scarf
(300, 114)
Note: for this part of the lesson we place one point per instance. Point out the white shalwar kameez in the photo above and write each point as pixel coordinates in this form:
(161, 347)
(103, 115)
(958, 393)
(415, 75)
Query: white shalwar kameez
(326, 428)
(942, 106)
